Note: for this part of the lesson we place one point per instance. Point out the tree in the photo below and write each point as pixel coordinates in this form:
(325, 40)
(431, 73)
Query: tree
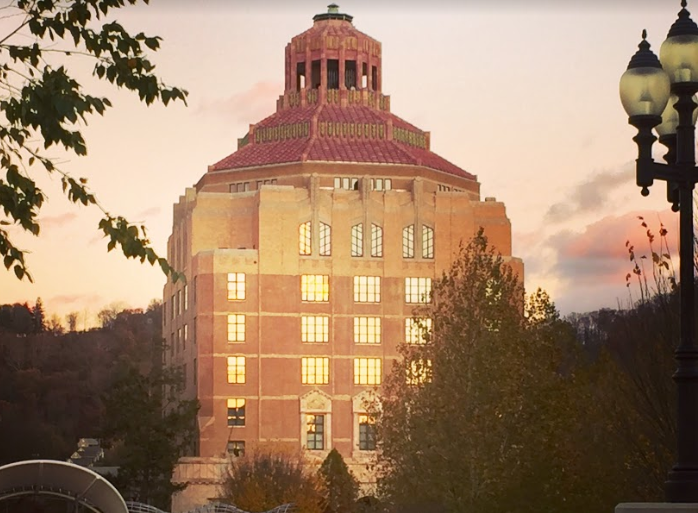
(39, 316)
(340, 485)
(149, 428)
(72, 320)
(269, 476)
(489, 413)
(42, 104)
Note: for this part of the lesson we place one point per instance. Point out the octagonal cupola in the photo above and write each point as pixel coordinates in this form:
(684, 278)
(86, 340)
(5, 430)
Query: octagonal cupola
(330, 58)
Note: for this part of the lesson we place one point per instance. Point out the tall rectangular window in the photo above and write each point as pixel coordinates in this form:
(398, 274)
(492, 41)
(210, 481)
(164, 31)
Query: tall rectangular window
(179, 339)
(315, 287)
(427, 242)
(315, 432)
(236, 369)
(376, 241)
(305, 239)
(417, 290)
(236, 328)
(186, 297)
(367, 289)
(174, 306)
(325, 239)
(416, 330)
(185, 336)
(367, 433)
(314, 328)
(419, 372)
(236, 286)
(236, 412)
(367, 371)
(408, 241)
(357, 240)
(180, 303)
(315, 371)
(367, 330)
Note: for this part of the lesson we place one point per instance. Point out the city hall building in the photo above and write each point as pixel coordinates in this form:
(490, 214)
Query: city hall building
(306, 252)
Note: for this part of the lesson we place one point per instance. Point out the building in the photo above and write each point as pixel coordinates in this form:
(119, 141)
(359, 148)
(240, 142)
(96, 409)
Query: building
(305, 252)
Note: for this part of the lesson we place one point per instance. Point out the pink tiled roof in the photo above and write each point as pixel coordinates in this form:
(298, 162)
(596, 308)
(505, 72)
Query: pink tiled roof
(316, 147)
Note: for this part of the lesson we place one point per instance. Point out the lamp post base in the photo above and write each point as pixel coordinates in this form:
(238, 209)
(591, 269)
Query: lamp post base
(657, 507)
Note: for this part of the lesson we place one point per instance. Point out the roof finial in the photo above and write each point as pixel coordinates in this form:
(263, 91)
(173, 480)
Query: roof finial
(683, 3)
(334, 8)
(644, 32)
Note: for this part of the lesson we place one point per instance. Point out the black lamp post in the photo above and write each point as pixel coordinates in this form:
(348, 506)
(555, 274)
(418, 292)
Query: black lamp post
(645, 89)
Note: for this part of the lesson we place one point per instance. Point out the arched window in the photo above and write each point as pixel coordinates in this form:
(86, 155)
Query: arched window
(305, 238)
(325, 239)
(408, 241)
(376, 241)
(427, 242)
(357, 240)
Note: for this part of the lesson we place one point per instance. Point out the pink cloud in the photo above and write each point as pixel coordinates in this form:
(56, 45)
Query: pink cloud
(58, 221)
(246, 107)
(599, 254)
(148, 212)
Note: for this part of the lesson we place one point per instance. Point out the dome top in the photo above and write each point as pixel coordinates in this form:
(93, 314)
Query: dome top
(333, 14)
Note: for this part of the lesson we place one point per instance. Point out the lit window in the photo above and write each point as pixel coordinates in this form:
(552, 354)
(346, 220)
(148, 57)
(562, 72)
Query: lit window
(315, 432)
(236, 328)
(416, 330)
(417, 290)
(419, 372)
(186, 336)
(174, 306)
(186, 297)
(367, 289)
(305, 239)
(376, 241)
(180, 303)
(315, 287)
(179, 338)
(236, 412)
(236, 286)
(236, 369)
(314, 328)
(408, 241)
(367, 433)
(315, 371)
(236, 448)
(367, 330)
(367, 371)
(344, 182)
(427, 242)
(357, 240)
(325, 239)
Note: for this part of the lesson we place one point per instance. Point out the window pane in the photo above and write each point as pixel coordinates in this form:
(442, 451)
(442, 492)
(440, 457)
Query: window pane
(367, 433)
(314, 328)
(367, 289)
(315, 287)
(419, 372)
(357, 240)
(236, 328)
(367, 371)
(315, 432)
(305, 239)
(315, 371)
(408, 241)
(236, 369)
(427, 242)
(236, 412)
(367, 330)
(236, 286)
(236, 448)
(325, 239)
(376, 241)
(417, 290)
(416, 330)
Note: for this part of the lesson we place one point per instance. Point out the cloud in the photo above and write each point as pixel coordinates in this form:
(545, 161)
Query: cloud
(246, 107)
(58, 221)
(591, 195)
(76, 300)
(599, 255)
(148, 212)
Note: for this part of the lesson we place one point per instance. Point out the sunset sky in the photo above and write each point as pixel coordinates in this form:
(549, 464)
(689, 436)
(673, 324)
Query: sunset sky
(522, 94)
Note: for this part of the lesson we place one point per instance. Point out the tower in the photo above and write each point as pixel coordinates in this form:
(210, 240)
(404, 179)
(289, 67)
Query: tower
(305, 253)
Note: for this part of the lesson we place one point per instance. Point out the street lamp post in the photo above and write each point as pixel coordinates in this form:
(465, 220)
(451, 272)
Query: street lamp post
(645, 90)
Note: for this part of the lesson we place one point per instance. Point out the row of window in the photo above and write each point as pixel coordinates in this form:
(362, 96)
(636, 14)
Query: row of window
(314, 426)
(352, 183)
(179, 302)
(315, 329)
(316, 288)
(315, 370)
(245, 186)
(305, 240)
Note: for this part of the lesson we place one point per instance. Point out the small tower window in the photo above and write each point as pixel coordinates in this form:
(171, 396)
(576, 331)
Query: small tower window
(300, 76)
(374, 78)
(350, 74)
(315, 79)
(332, 74)
(364, 76)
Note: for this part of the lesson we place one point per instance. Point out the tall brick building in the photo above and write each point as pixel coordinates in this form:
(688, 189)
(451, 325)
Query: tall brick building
(305, 252)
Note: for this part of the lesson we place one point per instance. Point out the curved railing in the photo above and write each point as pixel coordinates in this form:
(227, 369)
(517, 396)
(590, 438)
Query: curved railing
(212, 507)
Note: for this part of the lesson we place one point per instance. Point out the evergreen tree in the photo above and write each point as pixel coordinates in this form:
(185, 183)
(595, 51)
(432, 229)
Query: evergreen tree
(340, 485)
(39, 316)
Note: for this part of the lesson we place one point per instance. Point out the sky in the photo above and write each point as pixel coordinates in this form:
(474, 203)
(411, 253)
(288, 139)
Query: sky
(522, 94)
